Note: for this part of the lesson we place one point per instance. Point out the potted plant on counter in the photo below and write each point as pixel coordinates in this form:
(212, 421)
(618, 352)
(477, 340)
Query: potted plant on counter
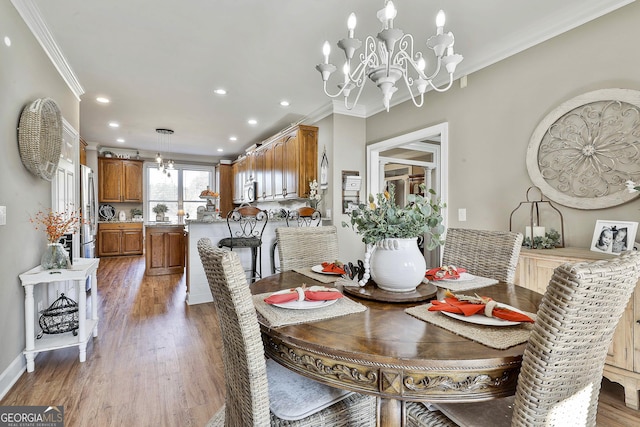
(136, 214)
(160, 210)
(391, 234)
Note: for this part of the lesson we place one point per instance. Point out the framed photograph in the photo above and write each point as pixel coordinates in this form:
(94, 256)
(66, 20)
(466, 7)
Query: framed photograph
(613, 237)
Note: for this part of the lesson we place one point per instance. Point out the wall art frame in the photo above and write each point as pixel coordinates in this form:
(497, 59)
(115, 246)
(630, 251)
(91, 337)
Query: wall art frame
(581, 154)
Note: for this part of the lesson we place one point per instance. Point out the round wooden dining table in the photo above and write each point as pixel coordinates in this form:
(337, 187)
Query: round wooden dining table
(388, 353)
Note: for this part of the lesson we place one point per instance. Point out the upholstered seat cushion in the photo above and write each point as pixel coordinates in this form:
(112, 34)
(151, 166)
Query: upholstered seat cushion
(240, 242)
(293, 397)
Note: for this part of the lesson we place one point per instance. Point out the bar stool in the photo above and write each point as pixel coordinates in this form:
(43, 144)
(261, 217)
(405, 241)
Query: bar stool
(304, 217)
(246, 224)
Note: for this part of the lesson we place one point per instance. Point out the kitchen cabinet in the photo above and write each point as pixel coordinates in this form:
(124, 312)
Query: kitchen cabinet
(119, 180)
(224, 187)
(165, 250)
(120, 238)
(285, 164)
(239, 178)
(534, 271)
(83, 152)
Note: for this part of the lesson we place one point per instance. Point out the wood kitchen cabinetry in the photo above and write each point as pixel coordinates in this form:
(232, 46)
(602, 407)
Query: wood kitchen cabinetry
(120, 238)
(165, 250)
(224, 187)
(119, 180)
(284, 165)
(535, 268)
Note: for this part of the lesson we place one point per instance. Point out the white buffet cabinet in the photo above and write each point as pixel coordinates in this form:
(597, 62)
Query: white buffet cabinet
(197, 286)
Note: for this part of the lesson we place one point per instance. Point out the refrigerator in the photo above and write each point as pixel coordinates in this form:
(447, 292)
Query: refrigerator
(88, 211)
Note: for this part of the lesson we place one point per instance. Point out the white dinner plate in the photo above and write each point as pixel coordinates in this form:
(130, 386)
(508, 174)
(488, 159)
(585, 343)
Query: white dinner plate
(318, 269)
(302, 305)
(463, 278)
(481, 319)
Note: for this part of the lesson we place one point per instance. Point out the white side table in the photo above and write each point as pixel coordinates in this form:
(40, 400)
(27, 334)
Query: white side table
(82, 268)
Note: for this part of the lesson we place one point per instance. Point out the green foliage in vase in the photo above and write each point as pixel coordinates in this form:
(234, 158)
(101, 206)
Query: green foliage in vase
(550, 240)
(136, 211)
(382, 218)
(160, 208)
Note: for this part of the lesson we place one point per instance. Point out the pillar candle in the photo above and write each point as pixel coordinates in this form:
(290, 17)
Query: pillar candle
(537, 232)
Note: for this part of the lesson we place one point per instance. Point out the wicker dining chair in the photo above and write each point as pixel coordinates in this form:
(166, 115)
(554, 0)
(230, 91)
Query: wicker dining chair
(492, 254)
(562, 364)
(302, 247)
(305, 216)
(257, 389)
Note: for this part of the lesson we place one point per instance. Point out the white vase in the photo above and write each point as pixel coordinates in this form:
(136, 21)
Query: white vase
(397, 265)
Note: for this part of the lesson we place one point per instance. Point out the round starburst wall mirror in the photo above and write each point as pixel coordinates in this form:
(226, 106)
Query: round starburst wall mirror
(582, 153)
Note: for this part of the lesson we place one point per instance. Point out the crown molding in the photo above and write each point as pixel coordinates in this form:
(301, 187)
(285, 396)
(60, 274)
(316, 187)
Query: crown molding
(30, 13)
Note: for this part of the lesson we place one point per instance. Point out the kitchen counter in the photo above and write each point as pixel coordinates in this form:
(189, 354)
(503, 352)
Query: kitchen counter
(197, 285)
(164, 224)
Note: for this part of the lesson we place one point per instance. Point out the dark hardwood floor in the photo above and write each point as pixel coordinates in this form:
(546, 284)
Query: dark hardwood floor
(157, 361)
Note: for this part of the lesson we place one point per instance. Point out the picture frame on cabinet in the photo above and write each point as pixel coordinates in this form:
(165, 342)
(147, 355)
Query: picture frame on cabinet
(614, 237)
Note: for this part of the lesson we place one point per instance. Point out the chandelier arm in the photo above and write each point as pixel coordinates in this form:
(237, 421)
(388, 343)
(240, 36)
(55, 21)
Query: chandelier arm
(445, 88)
(324, 85)
(355, 102)
(359, 71)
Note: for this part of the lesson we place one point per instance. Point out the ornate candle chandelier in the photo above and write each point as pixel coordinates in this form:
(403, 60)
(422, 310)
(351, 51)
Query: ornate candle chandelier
(164, 141)
(388, 58)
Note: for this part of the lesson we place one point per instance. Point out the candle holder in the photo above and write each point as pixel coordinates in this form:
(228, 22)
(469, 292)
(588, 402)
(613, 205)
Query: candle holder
(537, 235)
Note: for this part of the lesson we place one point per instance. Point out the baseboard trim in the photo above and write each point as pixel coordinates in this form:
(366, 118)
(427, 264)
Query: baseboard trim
(10, 375)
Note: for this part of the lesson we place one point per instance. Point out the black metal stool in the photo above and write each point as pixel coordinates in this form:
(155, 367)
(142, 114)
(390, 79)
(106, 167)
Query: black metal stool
(246, 224)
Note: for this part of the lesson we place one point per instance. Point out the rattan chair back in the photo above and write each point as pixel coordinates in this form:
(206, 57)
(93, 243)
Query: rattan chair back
(562, 365)
(559, 381)
(245, 372)
(492, 254)
(301, 247)
(305, 216)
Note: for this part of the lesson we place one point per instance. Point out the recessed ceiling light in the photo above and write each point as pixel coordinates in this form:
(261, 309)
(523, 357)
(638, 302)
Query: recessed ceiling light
(220, 150)
(7, 41)
(220, 92)
(284, 103)
(233, 138)
(252, 122)
(102, 100)
(120, 140)
(114, 124)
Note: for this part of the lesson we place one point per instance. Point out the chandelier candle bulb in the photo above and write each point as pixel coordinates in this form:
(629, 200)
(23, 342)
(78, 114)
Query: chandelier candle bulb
(326, 50)
(440, 21)
(537, 232)
(351, 24)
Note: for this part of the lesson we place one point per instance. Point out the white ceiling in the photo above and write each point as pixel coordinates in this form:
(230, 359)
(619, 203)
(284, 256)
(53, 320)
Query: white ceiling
(159, 60)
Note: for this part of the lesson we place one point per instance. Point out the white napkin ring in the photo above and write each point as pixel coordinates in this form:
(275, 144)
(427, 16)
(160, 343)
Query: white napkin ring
(488, 308)
(300, 292)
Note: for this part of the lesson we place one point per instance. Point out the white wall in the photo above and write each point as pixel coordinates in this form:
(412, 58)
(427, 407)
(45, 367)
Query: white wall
(492, 119)
(26, 73)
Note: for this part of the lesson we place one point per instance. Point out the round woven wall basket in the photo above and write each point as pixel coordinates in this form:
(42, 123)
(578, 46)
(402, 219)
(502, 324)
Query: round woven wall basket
(40, 137)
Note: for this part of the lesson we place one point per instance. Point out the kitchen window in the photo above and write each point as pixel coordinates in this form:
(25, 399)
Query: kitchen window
(180, 189)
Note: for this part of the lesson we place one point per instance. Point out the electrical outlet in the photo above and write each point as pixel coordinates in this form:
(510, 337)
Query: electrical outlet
(462, 214)
(3, 215)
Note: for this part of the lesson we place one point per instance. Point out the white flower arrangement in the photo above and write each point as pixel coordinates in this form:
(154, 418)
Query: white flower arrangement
(314, 195)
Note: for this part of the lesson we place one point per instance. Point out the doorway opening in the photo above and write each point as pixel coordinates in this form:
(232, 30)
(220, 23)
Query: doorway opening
(408, 160)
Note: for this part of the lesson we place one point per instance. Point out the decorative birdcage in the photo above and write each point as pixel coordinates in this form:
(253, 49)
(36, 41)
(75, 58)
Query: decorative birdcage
(60, 317)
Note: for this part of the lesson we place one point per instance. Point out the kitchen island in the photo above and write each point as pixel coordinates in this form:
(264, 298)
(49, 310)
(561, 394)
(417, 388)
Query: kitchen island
(165, 248)
(197, 285)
